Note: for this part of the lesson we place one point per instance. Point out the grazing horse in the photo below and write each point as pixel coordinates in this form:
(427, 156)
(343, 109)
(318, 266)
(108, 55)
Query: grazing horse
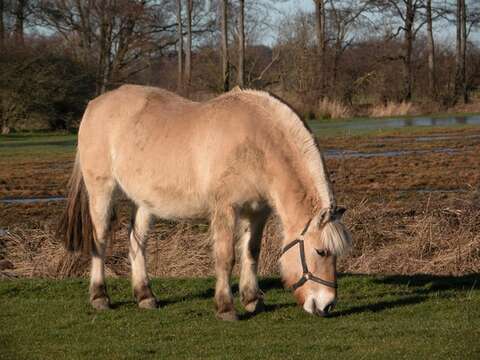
(230, 160)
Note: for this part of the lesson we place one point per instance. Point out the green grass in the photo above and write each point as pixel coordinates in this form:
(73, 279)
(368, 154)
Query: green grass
(377, 317)
(37, 144)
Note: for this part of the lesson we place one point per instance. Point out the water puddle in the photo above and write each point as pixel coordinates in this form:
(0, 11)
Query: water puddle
(428, 138)
(351, 154)
(31, 200)
(396, 123)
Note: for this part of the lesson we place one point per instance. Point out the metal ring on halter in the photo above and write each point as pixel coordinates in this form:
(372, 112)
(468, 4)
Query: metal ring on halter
(307, 275)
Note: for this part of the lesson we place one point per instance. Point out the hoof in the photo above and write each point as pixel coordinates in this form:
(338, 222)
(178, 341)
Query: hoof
(150, 303)
(255, 306)
(227, 316)
(102, 303)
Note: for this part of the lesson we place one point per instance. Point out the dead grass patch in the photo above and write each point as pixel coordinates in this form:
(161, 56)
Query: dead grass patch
(332, 109)
(392, 109)
(434, 240)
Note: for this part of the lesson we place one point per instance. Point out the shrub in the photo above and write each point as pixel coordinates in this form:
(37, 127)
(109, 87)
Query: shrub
(39, 86)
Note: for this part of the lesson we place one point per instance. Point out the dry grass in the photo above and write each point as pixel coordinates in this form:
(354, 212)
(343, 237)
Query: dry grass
(392, 109)
(386, 240)
(332, 109)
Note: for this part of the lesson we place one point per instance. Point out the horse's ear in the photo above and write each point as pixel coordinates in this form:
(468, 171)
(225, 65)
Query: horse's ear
(339, 213)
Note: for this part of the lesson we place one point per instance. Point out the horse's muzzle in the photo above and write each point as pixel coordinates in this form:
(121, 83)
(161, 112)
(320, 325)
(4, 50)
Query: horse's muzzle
(325, 312)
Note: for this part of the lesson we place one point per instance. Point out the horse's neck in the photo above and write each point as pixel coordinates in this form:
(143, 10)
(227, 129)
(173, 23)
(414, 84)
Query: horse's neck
(295, 204)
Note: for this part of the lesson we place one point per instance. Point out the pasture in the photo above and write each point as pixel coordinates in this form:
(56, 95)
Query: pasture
(413, 202)
(395, 317)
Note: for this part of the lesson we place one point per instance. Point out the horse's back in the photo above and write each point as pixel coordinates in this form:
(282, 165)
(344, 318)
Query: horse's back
(166, 150)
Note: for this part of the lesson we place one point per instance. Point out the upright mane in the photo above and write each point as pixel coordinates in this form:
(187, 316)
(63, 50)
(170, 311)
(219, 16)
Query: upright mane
(303, 139)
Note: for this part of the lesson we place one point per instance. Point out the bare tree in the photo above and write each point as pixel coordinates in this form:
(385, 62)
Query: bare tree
(344, 16)
(432, 82)
(180, 47)
(460, 60)
(241, 43)
(406, 11)
(224, 35)
(111, 36)
(188, 49)
(320, 29)
(20, 15)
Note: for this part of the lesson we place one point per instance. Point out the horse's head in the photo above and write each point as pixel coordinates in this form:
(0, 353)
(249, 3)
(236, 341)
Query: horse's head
(308, 263)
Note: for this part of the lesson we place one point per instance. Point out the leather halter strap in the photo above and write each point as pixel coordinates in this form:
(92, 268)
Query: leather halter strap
(307, 275)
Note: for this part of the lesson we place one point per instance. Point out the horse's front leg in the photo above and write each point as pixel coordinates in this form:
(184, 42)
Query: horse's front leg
(138, 241)
(251, 239)
(223, 226)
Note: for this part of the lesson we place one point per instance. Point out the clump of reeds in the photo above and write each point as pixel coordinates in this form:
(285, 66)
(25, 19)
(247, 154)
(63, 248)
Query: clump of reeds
(392, 108)
(333, 109)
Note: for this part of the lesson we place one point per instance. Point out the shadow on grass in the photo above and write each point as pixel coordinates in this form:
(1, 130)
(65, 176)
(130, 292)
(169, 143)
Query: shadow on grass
(420, 287)
(380, 306)
(433, 283)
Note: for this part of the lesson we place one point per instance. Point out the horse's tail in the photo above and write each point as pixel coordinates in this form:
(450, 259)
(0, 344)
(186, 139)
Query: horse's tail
(76, 227)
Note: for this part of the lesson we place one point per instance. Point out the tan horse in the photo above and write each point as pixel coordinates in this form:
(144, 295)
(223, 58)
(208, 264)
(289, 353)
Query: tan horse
(231, 160)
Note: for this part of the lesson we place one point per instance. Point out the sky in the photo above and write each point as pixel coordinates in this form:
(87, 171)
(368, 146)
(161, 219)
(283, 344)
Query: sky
(444, 33)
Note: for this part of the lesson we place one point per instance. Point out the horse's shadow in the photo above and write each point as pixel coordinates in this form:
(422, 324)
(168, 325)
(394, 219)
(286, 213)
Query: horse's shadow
(420, 288)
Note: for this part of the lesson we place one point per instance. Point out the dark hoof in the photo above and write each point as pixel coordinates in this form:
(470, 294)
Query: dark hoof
(150, 303)
(227, 316)
(102, 303)
(255, 306)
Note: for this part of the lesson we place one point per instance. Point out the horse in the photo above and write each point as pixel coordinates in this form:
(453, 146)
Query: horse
(232, 160)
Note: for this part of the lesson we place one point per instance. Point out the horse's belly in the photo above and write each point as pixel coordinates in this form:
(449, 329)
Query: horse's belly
(166, 200)
(177, 208)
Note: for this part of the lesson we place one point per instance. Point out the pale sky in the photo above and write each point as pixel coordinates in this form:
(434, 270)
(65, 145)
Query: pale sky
(444, 33)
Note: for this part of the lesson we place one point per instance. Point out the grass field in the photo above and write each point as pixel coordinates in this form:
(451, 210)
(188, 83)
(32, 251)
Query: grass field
(410, 214)
(396, 317)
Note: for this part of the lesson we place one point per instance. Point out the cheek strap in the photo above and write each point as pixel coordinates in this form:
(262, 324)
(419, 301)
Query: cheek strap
(307, 275)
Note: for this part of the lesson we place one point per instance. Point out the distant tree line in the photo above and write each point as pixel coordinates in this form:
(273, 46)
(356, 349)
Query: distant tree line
(57, 54)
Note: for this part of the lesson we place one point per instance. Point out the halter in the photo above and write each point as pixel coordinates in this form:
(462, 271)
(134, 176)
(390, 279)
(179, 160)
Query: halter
(307, 275)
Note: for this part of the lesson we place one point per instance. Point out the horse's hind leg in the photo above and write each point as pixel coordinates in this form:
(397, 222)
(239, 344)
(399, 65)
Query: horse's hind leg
(250, 241)
(100, 197)
(138, 236)
(223, 226)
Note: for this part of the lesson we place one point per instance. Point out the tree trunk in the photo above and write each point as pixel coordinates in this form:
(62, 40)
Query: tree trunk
(407, 50)
(320, 26)
(224, 31)
(188, 50)
(20, 9)
(241, 44)
(2, 24)
(432, 81)
(104, 60)
(180, 47)
(460, 73)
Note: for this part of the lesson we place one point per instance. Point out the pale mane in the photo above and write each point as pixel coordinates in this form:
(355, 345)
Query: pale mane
(304, 140)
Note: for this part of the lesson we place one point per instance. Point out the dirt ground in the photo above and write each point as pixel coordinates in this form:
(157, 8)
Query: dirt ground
(416, 210)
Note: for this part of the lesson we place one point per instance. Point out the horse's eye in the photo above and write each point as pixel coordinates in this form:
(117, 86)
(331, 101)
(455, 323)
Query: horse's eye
(322, 253)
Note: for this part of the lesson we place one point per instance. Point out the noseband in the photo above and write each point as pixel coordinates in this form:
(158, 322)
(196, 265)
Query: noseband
(307, 275)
